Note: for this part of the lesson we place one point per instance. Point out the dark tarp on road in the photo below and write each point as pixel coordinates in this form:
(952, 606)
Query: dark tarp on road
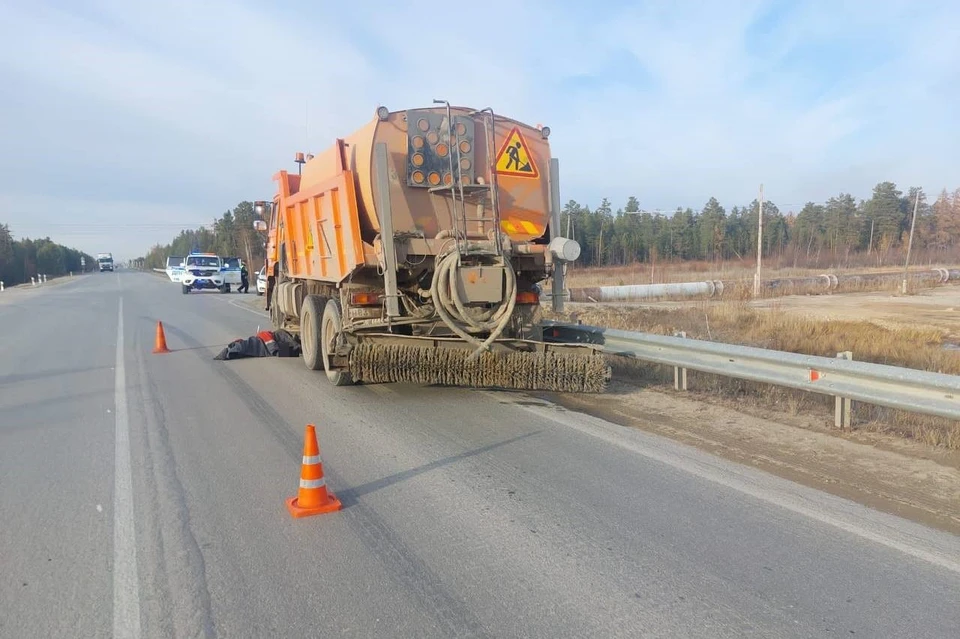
(263, 344)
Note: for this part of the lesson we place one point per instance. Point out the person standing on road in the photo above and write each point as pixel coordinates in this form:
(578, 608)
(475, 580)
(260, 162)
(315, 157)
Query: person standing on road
(244, 280)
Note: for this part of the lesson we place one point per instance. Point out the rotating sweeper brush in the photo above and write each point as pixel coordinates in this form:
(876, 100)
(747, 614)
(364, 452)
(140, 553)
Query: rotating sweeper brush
(471, 360)
(565, 372)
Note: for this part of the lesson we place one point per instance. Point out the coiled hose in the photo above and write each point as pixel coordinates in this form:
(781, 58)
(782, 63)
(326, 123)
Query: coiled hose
(453, 311)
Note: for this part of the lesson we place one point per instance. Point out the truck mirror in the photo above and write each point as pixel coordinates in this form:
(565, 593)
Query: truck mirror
(259, 225)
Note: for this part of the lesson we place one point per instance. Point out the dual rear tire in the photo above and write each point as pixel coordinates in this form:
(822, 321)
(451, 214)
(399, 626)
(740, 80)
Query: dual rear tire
(320, 328)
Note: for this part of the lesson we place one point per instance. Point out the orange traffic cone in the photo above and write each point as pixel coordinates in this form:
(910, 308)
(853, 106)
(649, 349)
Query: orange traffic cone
(313, 498)
(160, 343)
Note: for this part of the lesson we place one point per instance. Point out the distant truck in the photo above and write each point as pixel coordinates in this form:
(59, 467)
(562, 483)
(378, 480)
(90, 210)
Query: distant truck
(202, 271)
(105, 261)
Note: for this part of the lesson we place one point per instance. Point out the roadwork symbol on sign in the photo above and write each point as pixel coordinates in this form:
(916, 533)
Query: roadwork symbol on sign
(514, 157)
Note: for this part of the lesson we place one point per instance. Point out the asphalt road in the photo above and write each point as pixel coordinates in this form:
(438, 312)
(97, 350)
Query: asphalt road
(143, 495)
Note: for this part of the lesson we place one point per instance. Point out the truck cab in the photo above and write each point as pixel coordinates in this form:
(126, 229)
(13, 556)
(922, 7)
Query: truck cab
(271, 228)
(201, 271)
(105, 262)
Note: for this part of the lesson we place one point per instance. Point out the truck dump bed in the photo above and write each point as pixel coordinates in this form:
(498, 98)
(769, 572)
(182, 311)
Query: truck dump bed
(334, 206)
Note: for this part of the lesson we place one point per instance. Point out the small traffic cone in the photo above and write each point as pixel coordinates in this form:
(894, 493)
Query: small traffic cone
(312, 498)
(160, 343)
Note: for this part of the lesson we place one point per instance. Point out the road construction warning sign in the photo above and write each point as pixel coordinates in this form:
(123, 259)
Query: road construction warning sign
(514, 157)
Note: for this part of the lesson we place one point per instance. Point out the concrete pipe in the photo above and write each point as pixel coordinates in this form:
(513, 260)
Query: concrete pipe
(647, 291)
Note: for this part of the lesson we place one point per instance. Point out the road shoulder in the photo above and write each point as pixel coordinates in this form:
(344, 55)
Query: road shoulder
(907, 479)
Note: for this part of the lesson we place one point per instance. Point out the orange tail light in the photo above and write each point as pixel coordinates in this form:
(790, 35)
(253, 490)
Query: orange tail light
(365, 299)
(528, 297)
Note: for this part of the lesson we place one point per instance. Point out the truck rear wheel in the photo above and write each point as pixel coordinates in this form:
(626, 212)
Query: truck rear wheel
(311, 314)
(332, 325)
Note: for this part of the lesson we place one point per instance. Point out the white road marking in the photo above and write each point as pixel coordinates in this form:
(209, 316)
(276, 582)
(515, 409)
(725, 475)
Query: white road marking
(99, 508)
(126, 581)
(246, 308)
(915, 540)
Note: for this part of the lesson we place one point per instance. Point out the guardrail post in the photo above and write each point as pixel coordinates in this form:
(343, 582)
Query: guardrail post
(843, 406)
(680, 373)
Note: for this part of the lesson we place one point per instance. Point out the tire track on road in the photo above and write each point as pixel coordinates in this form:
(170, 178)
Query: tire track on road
(182, 606)
(404, 565)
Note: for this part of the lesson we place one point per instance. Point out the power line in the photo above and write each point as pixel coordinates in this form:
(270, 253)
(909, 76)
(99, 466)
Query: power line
(107, 224)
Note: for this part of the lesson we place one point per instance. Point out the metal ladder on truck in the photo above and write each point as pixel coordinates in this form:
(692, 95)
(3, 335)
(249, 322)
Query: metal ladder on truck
(478, 225)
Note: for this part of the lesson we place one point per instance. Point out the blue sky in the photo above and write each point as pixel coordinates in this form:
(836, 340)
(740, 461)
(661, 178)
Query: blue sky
(124, 121)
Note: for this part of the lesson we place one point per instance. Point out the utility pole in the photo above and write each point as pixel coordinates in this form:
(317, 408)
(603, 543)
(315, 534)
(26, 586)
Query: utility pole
(600, 248)
(756, 278)
(913, 223)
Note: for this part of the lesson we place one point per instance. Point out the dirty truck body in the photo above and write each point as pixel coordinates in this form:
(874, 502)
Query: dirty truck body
(412, 251)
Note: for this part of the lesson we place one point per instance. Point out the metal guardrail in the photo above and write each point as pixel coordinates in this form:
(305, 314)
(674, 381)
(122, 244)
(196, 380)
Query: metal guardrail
(891, 386)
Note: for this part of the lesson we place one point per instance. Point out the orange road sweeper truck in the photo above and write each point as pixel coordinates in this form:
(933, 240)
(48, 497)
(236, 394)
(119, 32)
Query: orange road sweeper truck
(414, 250)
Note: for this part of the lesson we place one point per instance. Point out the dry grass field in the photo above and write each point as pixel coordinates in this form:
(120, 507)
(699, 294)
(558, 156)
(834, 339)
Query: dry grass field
(737, 270)
(913, 331)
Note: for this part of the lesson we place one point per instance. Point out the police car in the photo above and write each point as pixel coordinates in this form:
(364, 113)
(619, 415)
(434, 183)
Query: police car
(201, 271)
(174, 268)
(230, 269)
